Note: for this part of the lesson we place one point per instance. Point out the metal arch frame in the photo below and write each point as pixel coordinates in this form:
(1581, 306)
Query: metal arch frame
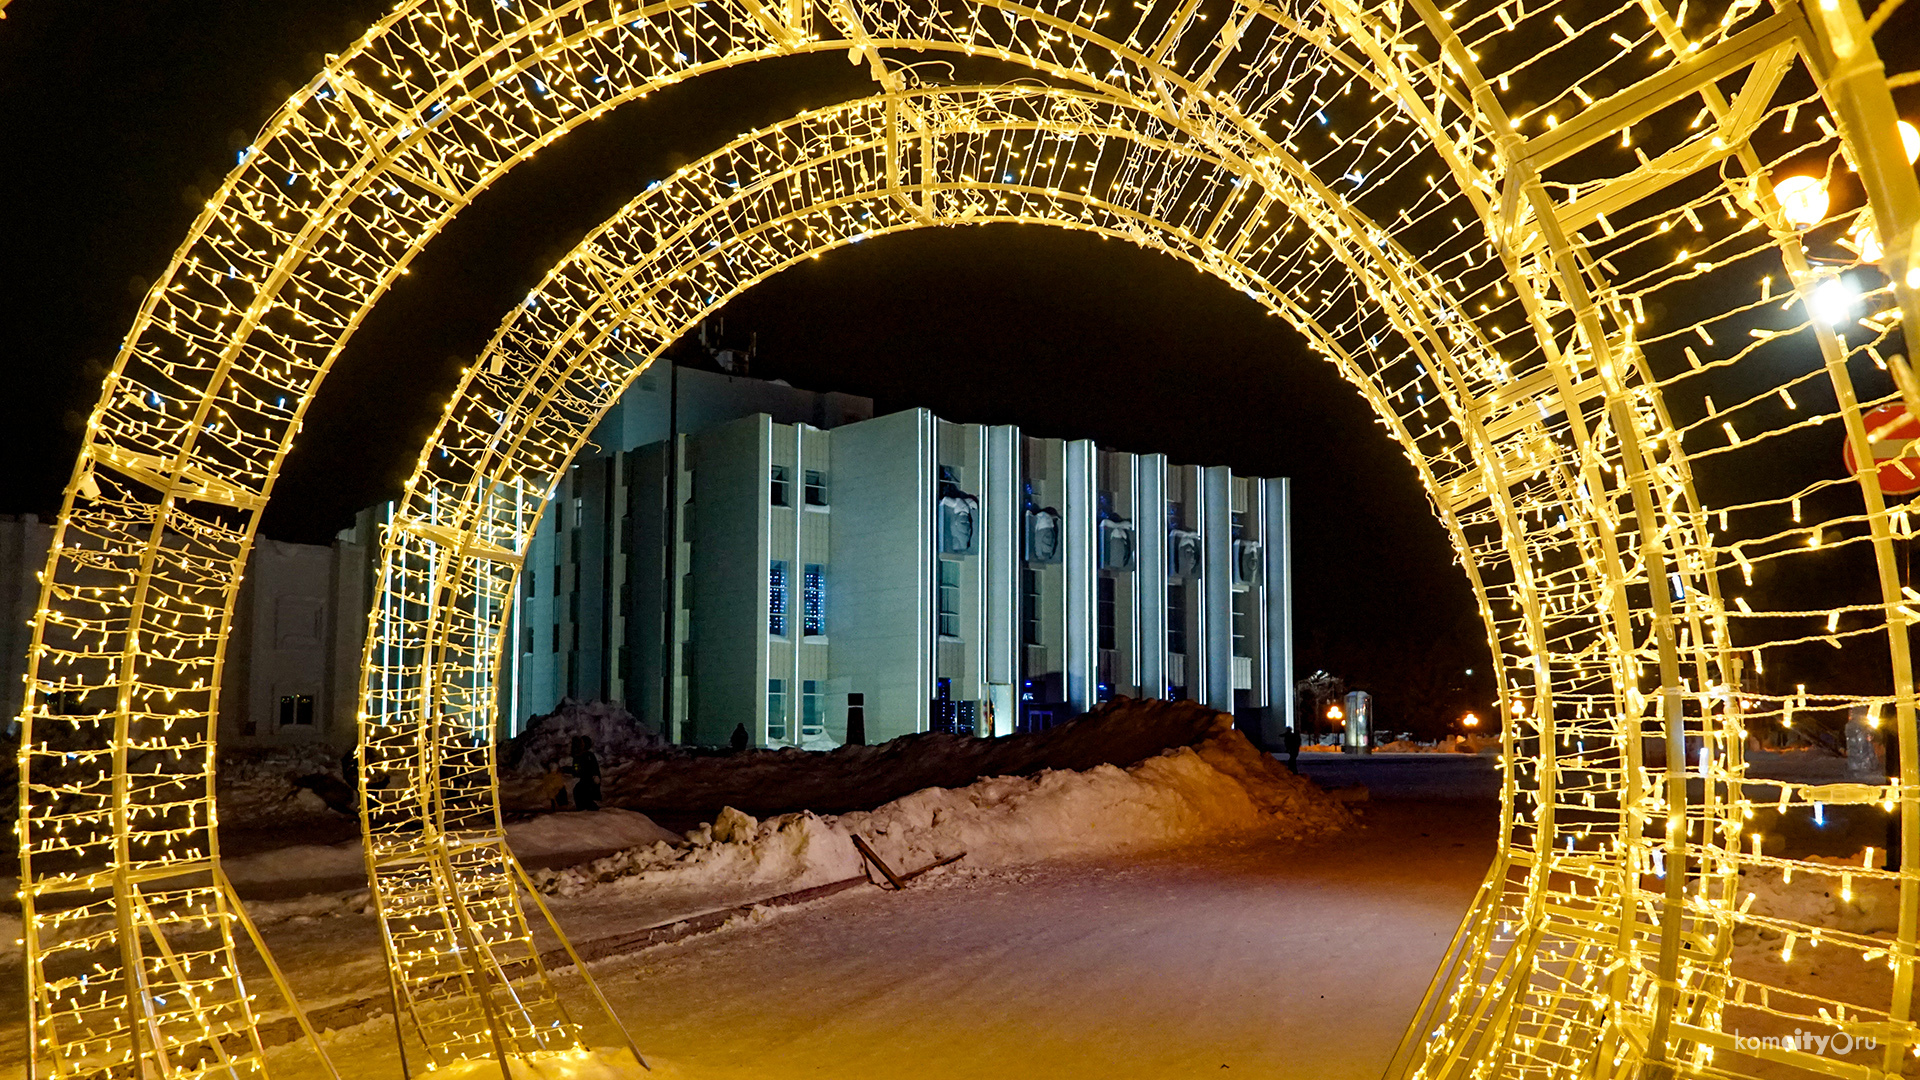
(604, 270)
(111, 528)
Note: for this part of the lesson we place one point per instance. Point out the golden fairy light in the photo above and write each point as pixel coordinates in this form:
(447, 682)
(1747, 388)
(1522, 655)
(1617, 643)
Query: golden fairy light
(1548, 243)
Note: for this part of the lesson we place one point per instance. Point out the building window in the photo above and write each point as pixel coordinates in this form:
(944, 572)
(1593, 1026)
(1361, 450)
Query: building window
(776, 710)
(296, 710)
(813, 709)
(1177, 618)
(533, 584)
(1106, 605)
(777, 489)
(949, 610)
(529, 649)
(1029, 606)
(816, 488)
(777, 598)
(813, 611)
(556, 638)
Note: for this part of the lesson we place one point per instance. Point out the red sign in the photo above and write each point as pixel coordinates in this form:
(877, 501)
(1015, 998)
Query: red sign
(1891, 432)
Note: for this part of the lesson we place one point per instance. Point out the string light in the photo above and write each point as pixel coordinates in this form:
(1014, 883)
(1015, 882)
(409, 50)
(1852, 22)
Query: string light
(1350, 168)
(1803, 200)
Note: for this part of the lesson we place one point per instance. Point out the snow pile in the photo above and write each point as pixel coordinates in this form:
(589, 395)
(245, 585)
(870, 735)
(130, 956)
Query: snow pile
(256, 786)
(1218, 789)
(547, 742)
(1453, 744)
(1854, 904)
(696, 783)
(572, 833)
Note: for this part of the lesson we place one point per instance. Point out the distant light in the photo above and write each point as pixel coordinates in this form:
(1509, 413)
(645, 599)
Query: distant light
(1469, 671)
(1334, 713)
(1803, 200)
(1469, 720)
(1832, 301)
(1910, 141)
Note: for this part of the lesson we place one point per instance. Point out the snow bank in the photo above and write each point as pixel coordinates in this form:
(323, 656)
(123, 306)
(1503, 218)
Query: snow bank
(547, 742)
(1867, 905)
(696, 782)
(255, 786)
(1219, 789)
(576, 832)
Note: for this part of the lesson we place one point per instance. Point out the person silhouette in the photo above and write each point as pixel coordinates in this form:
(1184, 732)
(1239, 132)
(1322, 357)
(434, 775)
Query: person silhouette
(586, 770)
(740, 737)
(1292, 742)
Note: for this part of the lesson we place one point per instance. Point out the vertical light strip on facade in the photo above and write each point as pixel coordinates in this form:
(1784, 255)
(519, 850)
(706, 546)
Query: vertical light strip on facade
(1079, 521)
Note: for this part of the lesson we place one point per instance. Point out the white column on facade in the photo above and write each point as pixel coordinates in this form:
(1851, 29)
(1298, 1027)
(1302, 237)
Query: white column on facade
(1215, 685)
(928, 521)
(763, 564)
(1080, 519)
(1002, 504)
(1277, 534)
(796, 586)
(1150, 595)
(1257, 606)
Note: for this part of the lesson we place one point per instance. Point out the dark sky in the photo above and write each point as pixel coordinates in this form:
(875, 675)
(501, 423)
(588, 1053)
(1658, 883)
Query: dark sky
(118, 118)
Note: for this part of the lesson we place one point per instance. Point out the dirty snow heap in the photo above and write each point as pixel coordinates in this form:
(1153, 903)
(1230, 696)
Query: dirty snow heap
(1218, 789)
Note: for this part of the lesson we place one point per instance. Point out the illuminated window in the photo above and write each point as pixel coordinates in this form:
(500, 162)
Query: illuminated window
(777, 598)
(816, 488)
(813, 709)
(949, 610)
(777, 488)
(813, 610)
(776, 710)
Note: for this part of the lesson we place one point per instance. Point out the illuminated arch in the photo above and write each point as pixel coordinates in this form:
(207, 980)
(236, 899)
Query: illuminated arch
(1491, 311)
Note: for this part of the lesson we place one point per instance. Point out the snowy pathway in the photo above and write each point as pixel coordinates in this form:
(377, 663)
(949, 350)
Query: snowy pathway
(1269, 960)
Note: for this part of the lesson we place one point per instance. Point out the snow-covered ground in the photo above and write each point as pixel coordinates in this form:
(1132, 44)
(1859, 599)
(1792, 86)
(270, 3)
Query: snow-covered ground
(1267, 957)
(1219, 790)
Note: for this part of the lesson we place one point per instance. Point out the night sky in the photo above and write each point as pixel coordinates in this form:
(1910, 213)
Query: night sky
(118, 119)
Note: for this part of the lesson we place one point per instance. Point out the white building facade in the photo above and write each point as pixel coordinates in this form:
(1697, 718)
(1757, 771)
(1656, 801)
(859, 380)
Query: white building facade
(910, 572)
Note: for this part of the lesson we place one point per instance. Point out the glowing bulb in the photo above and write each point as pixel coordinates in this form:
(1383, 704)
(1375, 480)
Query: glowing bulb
(1866, 241)
(1469, 720)
(1910, 140)
(1334, 713)
(1832, 301)
(1803, 200)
